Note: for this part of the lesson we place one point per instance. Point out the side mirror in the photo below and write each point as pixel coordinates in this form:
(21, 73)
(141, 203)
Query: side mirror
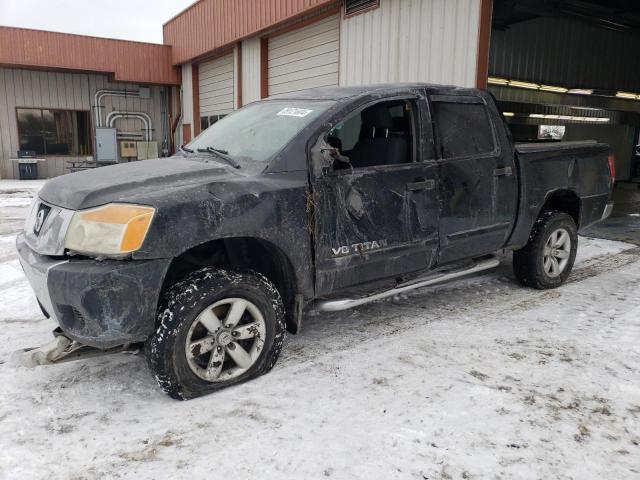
(329, 153)
(332, 154)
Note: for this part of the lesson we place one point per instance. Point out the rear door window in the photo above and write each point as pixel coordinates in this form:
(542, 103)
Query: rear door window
(464, 129)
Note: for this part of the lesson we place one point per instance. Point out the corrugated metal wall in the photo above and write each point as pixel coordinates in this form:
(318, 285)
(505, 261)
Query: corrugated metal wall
(57, 90)
(250, 70)
(128, 61)
(217, 87)
(305, 58)
(210, 24)
(566, 52)
(411, 40)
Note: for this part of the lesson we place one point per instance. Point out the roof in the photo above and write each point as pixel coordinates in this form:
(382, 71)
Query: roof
(210, 25)
(126, 61)
(346, 93)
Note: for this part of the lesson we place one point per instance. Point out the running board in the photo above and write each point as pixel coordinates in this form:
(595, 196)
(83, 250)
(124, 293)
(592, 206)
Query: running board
(347, 303)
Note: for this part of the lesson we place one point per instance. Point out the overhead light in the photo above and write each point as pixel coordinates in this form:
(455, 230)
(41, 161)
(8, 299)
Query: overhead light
(498, 81)
(569, 118)
(531, 86)
(550, 88)
(580, 91)
(508, 114)
(632, 96)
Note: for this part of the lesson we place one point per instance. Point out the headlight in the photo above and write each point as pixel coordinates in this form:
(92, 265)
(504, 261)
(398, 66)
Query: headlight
(113, 229)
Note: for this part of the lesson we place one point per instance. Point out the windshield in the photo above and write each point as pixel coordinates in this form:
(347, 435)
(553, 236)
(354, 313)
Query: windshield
(258, 131)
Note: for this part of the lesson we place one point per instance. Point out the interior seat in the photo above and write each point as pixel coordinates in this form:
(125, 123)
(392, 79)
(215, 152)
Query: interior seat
(376, 147)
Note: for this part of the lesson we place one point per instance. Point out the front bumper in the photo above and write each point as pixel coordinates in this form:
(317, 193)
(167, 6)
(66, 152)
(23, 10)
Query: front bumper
(97, 303)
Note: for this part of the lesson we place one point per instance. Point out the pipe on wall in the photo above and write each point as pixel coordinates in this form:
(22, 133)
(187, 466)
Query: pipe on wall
(100, 94)
(146, 119)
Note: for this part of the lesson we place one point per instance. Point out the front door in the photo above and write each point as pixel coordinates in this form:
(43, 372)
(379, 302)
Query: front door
(376, 215)
(478, 186)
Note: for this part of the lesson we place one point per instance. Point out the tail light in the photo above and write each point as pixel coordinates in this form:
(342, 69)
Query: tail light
(612, 166)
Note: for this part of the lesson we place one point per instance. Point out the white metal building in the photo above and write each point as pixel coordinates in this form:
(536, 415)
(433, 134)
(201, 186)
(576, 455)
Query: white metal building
(217, 56)
(336, 43)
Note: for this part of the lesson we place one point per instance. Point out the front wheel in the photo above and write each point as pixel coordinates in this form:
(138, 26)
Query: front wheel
(547, 259)
(215, 328)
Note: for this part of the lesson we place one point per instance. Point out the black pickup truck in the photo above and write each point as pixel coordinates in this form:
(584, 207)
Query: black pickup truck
(325, 199)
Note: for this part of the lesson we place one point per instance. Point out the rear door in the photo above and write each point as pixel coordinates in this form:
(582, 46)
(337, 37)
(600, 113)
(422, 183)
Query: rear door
(478, 184)
(377, 218)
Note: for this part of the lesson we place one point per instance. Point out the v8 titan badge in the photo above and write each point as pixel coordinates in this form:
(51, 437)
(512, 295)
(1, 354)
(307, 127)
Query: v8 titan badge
(358, 248)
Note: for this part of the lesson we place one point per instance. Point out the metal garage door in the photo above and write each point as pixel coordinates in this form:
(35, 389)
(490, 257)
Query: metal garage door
(216, 87)
(305, 58)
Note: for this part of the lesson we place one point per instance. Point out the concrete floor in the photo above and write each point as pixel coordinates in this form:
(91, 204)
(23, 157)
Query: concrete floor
(624, 223)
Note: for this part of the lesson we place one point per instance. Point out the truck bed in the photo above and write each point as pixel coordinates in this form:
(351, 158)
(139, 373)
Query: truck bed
(580, 168)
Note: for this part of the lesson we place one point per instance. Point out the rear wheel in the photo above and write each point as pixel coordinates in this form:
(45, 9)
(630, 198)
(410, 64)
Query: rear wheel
(546, 261)
(216, 328)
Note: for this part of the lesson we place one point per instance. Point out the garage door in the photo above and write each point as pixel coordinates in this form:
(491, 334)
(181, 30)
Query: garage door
(305, 58)
(216, 87)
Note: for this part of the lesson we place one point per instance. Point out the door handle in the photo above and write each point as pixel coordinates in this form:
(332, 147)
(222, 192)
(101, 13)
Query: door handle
(421, 185)
(503, 172)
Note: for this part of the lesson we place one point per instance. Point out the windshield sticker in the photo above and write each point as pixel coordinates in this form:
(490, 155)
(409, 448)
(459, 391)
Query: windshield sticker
(294, 112)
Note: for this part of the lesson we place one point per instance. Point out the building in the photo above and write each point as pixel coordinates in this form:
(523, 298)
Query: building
(52, 83)
(234, 54)
(220, 54)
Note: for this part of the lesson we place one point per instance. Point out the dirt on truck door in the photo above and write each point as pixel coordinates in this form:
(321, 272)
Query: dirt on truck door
(377, 208)
(478, 178)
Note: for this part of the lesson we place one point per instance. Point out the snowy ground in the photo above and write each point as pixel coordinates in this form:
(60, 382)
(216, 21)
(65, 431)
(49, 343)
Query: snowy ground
(476, 379)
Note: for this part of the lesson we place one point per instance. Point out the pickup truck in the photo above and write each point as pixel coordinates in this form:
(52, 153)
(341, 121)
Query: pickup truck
(321, 200)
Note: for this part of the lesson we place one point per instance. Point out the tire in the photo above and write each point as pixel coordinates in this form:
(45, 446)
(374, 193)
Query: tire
(199, 310)
(533, 265)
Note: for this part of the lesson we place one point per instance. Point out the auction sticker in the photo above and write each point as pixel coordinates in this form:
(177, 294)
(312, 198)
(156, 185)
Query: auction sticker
(294, 112)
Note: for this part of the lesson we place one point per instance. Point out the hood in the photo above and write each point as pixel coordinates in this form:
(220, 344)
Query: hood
(120, 182)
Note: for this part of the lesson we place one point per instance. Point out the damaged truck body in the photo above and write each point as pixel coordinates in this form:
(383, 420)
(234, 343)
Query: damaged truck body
(325, 199)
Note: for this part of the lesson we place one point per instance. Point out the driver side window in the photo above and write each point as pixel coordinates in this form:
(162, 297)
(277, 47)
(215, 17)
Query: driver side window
(381, 134)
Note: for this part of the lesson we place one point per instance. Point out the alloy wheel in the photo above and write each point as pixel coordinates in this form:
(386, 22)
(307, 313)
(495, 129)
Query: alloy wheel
(557, 251)
(225, 339)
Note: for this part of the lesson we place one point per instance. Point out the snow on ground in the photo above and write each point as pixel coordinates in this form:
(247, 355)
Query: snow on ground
(475, 379)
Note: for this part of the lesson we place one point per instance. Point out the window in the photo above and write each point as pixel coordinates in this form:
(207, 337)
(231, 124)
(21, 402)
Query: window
(53, 132)
(356, 6)
(464, 129)
(260, 130)
(206, 122)
(381, 134)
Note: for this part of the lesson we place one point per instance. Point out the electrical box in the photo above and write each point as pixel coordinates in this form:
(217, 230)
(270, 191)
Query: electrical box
(106, 145)
(144, 92)
(128, 149)
(147, 150)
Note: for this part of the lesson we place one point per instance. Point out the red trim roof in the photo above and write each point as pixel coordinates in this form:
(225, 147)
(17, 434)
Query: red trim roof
(209, 25)
(126, 61)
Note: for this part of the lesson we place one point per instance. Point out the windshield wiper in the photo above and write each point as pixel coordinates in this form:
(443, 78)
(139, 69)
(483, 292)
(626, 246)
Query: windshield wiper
(223, 154)
(184, 149)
